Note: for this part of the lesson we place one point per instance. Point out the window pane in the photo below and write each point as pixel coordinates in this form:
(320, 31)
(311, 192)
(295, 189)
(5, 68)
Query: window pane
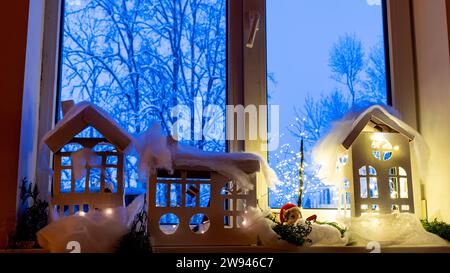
(403, 187)
(111, 180)
(80, 185)
(192, 193)
(363, 187)
(393, 187)
(393, 171)
(363, 171)
(161, 195)
(94, 180)
(373, 187)
(324, 57)
(347, 199)
(66, 181)
(375, 207)
(205, 195)
(401, 171)
(346, 184)
(144, 60)
(387, 156)
(175, 195)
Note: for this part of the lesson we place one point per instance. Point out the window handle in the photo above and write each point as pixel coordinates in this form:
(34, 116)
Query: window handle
(254, 20)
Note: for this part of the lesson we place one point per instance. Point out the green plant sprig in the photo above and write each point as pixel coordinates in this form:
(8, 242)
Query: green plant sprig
(440, 228)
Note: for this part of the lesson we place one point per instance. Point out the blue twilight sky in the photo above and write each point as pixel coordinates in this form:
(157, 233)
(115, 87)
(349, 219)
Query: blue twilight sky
(300, 34)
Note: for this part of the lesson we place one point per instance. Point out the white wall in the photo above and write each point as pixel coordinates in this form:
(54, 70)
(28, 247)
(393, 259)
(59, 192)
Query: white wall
(433, 80)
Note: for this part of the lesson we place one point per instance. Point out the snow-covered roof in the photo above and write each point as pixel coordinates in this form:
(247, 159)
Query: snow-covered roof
(81, 116)
(345, 131)
(379, 121)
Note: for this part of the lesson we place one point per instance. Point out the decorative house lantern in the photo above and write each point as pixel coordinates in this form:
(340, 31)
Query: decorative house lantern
(197, 206)
(374, 167)
(88, 172)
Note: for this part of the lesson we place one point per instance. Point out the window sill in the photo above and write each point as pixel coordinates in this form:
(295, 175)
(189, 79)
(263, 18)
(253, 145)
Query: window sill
(294, 249)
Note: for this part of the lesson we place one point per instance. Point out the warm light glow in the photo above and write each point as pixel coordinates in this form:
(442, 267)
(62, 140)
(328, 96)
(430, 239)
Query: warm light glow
(387, 146)
(244, 223)
(109, 211)
(396, 148)
(382, 148)
(378, 137)
(81, 213)
(375, 222)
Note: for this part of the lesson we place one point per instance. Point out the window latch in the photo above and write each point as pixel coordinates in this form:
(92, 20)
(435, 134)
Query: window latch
(254, 21)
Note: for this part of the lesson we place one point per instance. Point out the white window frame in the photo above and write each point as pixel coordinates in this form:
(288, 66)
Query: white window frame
(247, 79)
(49, 85)
(402, 60)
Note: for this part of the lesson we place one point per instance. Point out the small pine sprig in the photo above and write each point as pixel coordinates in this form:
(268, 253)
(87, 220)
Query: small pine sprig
(295, 234)
(33, 218)
(136, 241)
(440, 228)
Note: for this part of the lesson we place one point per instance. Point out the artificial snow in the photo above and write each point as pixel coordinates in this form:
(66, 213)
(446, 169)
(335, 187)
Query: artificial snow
(81, 159)
(96, 231)
(398, 229)
(325, 153)
(321, 235)
(153, 152)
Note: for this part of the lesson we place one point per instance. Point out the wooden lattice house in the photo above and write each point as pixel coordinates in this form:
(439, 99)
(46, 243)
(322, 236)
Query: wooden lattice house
(375, 167)
(88, 171)
(197, 206)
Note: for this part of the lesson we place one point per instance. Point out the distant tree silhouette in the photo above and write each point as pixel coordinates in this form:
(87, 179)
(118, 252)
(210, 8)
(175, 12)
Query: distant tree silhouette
(347, 62)
(375, 85)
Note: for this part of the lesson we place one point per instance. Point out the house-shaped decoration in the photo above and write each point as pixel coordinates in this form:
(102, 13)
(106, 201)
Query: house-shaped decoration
(197, 206)
(374, 168)
(101, 159)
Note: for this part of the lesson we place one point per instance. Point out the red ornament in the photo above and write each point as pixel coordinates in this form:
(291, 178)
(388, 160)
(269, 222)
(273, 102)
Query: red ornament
(285, 208)
(312, 218)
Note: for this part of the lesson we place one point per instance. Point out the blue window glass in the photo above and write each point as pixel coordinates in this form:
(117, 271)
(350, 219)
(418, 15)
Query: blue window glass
(80, 185)
(66, 181)
(161, 195)
(324, 58)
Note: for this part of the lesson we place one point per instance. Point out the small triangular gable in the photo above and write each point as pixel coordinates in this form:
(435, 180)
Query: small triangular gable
(81, 116)
(380, 122)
